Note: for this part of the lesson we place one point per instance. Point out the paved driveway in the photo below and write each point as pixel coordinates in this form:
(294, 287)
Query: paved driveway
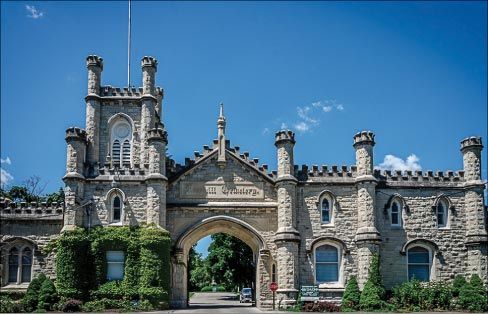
(217, 302)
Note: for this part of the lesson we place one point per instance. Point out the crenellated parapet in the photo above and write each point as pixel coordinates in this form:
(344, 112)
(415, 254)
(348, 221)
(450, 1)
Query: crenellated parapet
(471, 148)
(283, 136)
(75, 134)
(159, 135)
(31, 210)
(364, 138)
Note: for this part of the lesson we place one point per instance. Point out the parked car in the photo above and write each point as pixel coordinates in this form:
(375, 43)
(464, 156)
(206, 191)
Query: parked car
(246, 295)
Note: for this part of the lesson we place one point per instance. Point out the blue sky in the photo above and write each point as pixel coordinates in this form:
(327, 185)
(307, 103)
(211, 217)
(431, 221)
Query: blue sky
(414, 73)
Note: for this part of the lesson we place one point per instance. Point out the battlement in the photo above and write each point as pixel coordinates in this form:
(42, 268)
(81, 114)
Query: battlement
(420, 176)
(473, 141)
(364, 137)
(135, 92)
(94, 60)
(284, 136)
(305, 172)
(31, 210)
(158, 135)
(148, 61)
(74, 133)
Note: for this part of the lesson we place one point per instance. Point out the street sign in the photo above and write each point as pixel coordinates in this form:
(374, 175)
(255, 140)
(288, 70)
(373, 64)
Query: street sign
(273, 286)
(309, 293)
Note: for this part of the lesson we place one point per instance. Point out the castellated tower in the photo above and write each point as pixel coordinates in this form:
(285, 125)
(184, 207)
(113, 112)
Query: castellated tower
(476, 233)
(116, 168)
(367, 235)
(287, 237)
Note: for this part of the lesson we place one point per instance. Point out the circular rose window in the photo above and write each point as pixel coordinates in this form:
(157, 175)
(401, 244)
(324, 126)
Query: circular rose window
(122, 130)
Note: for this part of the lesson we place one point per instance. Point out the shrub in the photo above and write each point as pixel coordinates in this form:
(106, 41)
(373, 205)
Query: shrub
(220, 288)
(457, 284)
(31, 298)
(207, 289)
(373, 293)
(473, 296)
(7, 305)
(109, 290)
(94, 306)
(47, 295)
(352, 295)
(72, 305)
(435, 295)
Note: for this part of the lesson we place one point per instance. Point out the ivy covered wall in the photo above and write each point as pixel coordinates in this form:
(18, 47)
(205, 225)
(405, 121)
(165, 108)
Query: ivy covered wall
(81, 264)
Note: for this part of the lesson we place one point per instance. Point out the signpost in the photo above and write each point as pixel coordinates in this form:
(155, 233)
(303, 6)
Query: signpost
(309, 293)
(273, 287)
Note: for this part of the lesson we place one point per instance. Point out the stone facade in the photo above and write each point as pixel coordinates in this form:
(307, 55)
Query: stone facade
(285, 216)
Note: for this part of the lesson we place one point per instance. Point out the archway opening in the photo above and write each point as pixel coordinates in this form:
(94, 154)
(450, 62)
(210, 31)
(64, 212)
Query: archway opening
(216, 225)
(221, 273)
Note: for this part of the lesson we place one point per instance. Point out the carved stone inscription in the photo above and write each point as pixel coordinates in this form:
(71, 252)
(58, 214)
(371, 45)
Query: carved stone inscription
(221, 190)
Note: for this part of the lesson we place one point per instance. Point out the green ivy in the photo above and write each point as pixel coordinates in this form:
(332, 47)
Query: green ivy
(81, 266)
(352, 295)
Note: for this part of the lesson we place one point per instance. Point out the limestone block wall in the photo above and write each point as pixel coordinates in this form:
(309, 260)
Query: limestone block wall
(40, 232)
(420, 222)
(108, 109)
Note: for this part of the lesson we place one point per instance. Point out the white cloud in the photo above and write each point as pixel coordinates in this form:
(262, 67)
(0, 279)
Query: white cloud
(5, 177)
(394, 163)
(6, 161)
(265, 131)
(283, 126)
(33, 12)
(302, 127)
(340, 107)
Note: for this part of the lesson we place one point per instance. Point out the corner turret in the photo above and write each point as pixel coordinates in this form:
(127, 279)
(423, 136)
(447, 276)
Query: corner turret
(149, 67)
(95, 67)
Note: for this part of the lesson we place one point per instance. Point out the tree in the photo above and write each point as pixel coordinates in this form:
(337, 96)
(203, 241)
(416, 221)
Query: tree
(47, 295)
(473, 296)
(230, 262)
(374, 291)
(31, 297)
(198, 270)
(352, 295)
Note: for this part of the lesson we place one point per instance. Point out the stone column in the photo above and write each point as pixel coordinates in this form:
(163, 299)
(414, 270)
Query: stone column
(149, 102)
(367, 235)
(156, 180)
(94, 65)
(74, 179)
(179, 297)
(476, 234)
(287, 238)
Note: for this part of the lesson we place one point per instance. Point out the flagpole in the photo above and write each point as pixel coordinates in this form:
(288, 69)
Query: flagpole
(128, 51)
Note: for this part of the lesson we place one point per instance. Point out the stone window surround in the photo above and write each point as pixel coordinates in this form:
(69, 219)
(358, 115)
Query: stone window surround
(340, 252)
(431, 258)
(113, 122)
(333, 206)
(399, 225)
(109, 203)
(444, 204)
(21, 245)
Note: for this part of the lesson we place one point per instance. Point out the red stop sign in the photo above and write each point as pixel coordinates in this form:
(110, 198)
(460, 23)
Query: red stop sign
(273, 286)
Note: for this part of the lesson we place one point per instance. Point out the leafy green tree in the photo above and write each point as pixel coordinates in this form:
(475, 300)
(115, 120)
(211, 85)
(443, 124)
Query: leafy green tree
(199, 271)
(474, 296)
(457, 284)
(230, 262)
(352, 295)
(374, 292)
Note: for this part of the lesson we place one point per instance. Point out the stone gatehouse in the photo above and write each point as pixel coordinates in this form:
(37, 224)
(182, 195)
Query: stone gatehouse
(306, 225)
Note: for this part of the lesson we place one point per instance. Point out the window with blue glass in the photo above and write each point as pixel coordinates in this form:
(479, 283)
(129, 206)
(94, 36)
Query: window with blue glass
(441, 214)
(396, 214)
(326, 211)
(419, 263)
(326, 264)
(115, 265)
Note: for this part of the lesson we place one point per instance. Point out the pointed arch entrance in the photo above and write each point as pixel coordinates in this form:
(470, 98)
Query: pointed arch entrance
(216, 224)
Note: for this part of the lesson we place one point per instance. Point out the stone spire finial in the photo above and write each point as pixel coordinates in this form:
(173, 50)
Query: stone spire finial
(221, 137)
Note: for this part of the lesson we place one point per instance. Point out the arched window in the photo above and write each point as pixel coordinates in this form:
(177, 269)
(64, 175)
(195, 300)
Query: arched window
(327, 264)
(121, 142)
(13, 265)
(26, 265)
(441, 210)
(116, 209)
(419, 263)
(396, 214)
(326, 211)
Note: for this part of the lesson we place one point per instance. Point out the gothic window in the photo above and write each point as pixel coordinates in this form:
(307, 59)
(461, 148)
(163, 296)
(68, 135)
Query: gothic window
(396, 214)
(115, 265)
(26, 265)
(116, 209)
(419, 263)
(327, 264)
(13, 265)
(325, 210)
(121, 142)
(19, 265)
(441, 210)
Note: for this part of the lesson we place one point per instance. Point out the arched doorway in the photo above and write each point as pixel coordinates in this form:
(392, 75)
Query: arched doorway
(216, 224)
